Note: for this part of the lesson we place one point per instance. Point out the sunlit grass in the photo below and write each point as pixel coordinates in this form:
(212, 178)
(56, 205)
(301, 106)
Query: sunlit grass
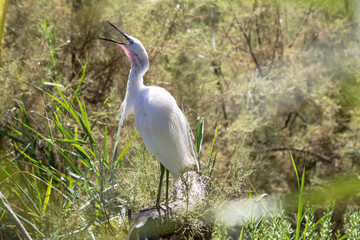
(267, 76)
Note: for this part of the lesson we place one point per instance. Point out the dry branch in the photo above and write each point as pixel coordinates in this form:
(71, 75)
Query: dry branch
(322, 158)
(248, 41)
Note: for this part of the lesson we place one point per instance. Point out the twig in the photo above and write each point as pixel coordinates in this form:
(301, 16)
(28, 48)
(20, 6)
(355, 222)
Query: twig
(217, 67)
(12, 213)
(301, 27)
(297, 114)
(276, 45)
(208, 101)
(324, 159)
(257, 23)
(315, 37)
(213, 27)
(153, 53)
(248, 41)
(226, 35)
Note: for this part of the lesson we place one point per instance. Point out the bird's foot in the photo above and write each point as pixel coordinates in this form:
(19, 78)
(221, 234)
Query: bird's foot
(165, 207)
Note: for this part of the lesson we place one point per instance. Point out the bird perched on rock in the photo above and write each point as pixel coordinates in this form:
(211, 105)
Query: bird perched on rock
(161, 123)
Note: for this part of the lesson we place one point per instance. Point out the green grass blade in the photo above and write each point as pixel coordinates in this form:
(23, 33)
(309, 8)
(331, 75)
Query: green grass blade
(302, 182)
(84, 114)
(199, 135)
(31, 225)
(31, 129)
(27, 156)
(295, 169)
(37, 189)
(82, 152)
(241, 233)
(213, 143)
(80, 83)
(34, 209)
(61, 129)
(105, 155)
(211, 160)
(50, 140)
(345, 236)
(299, 219)
(306, 227)
(113, 161)
(2, 215)
(47, 197)
(71, 164)
(319, 221)
(300, 216)
(83, 122)
(212, 166)
(123, 152)
(77, 141)
(98, 115)
(11, 136)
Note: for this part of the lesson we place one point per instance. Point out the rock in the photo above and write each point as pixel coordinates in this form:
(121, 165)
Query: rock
(153, 223)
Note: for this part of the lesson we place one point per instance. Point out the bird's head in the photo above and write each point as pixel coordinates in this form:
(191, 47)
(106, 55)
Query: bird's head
(134, 50)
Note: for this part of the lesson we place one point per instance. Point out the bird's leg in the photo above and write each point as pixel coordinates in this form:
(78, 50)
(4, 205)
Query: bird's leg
(167, 187)
(162, 170)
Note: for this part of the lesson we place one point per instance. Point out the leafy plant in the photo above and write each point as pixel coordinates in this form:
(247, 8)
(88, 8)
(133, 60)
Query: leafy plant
(65, 157)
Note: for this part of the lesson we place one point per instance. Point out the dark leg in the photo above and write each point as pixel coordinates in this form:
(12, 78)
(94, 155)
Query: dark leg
(167, 186)
(162, 170)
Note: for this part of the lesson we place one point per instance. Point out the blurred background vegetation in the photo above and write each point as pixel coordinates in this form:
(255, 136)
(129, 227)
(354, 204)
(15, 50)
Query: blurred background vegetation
(272, 76)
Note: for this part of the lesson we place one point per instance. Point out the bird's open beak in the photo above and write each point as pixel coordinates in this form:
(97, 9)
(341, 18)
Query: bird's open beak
(121, 44)
(122, 33)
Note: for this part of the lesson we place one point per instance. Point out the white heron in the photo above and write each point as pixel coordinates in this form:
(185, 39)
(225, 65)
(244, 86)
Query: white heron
(161, 123)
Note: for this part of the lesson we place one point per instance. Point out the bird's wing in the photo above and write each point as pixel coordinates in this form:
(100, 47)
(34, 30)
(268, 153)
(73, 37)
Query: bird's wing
(164, 128)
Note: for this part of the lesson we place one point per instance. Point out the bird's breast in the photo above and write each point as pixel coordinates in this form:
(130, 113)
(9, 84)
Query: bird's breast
(163, 128)
(153, 110)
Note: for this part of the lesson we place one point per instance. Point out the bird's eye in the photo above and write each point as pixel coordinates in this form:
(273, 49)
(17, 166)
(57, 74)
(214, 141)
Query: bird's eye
(131, 42)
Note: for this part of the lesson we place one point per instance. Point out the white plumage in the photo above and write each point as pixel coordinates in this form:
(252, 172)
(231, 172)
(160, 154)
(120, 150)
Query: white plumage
(163, 126)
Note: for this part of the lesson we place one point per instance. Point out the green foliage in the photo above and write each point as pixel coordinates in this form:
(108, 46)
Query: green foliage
(326, 224)
(351, 225)
(267, 76)
(210, 161)
(280, 227)
(66, 156)
(278, 224)
(3, 8)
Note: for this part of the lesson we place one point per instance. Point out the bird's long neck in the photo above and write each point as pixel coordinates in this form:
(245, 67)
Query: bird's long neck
(139, 66)
(134, 85)
(135, 82)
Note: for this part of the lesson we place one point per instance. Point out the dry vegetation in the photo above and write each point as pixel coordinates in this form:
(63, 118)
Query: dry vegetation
(270, 75)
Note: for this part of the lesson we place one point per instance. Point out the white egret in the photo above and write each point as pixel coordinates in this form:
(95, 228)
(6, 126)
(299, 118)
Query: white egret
(161, 123)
